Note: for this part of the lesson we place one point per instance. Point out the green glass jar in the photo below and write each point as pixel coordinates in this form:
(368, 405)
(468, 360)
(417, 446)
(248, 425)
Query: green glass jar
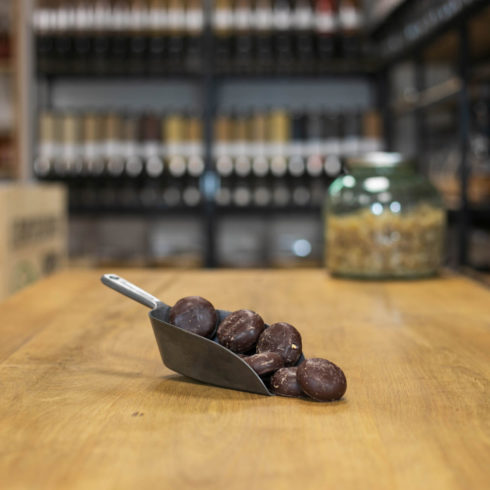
(383, 220)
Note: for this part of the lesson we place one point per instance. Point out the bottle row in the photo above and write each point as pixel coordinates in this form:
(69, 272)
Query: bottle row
(275, 142)
(178, 55)
(227, 17)
(72, 166)
(187, 194)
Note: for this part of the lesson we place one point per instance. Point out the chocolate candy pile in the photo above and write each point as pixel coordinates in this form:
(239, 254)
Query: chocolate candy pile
(274, 352)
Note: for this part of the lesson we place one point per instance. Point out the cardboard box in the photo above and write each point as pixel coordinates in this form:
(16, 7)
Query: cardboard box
(33, 233)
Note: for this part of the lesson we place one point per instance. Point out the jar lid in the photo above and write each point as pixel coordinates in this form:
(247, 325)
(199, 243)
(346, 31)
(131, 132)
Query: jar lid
(376, 159)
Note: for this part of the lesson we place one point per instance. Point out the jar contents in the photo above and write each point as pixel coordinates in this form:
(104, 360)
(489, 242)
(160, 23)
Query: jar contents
(401, 244)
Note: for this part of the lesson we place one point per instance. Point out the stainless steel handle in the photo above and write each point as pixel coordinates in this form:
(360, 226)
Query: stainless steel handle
(130, 290)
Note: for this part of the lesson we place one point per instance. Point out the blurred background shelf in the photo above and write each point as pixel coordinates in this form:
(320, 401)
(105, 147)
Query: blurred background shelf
(206, 133)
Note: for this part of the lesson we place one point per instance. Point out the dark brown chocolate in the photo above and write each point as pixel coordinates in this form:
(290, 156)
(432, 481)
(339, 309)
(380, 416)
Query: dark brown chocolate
(284, 382)
(194, 314)
(321, 380)
(240, 330)
(282, 338)
(265, 363)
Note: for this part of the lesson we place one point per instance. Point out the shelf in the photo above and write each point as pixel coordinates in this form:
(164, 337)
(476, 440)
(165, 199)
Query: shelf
(333, 68)
(133, 210)
(324, 68)
(267, 210)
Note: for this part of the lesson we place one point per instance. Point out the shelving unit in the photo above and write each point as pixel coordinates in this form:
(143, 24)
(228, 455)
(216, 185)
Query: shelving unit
(217, 84)
(454, 33)
(402, 32)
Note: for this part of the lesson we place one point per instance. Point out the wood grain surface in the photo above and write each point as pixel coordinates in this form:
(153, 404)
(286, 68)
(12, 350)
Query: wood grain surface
(86, 403)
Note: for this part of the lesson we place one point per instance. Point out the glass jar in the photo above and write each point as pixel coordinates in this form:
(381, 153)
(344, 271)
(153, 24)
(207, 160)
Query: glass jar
(383, 220)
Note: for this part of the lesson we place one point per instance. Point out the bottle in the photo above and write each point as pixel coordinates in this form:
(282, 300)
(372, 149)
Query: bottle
(241, 153)
(296, 151)
(260, 162)
(64, 29)
(191, 195)
(49, 144)
(149, 195)
(243, 48)
(113, 144)
(222, 24)
(195, 161)
(281, 195)
(301, 195)
(120, 36)
(176, 29)
(261, 195)
(101, 41)
(313, 146)
(283, 48)
(194, 21)
(333, 164)
(151, 149)
(263, 22)
(303, 23)
(174, 128)
(84, 18)
(222, 147)
(172, 194)
(44, 29)
(134, 143)
(71, 158)
(158, 25)
(138, 28)
(241, 195)
(349, 25)
(93, 144)
(325, 28)
(280, 131)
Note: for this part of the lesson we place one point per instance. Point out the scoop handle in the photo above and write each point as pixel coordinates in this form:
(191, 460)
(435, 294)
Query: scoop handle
(130, 290)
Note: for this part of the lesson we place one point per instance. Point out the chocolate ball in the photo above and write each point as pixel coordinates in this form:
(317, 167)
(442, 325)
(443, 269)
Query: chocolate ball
(282, 338)
(284, 382)
(265, 363)
(240, 330)
(321, 380)
(194, 314)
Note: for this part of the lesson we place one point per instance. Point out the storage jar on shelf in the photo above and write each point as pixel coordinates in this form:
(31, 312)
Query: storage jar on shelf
(383, 220)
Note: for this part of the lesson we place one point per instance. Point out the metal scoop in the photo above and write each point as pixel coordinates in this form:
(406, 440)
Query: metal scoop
(190, 354)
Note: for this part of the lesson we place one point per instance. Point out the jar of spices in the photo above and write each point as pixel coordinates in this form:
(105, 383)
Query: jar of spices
(383, 220)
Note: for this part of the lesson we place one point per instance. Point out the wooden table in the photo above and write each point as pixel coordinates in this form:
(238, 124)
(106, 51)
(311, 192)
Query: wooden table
(87, 404)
